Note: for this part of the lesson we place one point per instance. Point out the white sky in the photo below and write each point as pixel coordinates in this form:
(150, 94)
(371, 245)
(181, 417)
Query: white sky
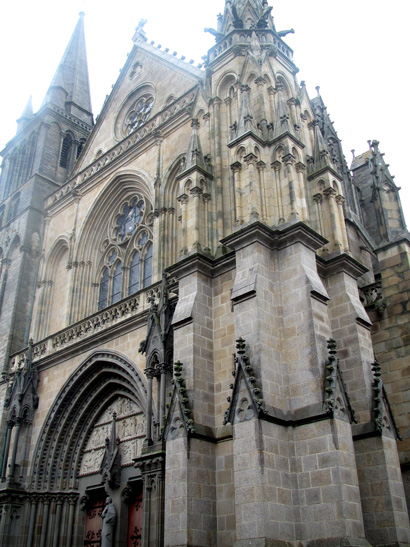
(356, 50)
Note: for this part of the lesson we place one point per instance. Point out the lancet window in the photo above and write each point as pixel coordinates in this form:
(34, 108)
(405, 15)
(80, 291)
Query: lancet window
(65, 151)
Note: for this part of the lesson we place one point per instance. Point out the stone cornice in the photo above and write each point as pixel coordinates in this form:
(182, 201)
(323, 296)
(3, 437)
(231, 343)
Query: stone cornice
(405, 240)
(340, 263)
(205, 264)
(274, 238)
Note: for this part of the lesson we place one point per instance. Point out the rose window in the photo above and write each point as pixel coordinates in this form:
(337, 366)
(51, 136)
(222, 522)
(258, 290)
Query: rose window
(139, 114)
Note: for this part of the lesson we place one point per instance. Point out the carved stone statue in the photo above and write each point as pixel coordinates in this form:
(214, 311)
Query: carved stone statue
(109, 518)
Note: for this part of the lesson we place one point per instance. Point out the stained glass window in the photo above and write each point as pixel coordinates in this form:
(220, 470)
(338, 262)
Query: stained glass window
(116, 283)
(147, 266)
(134, 283)
(143, 239)
(103, 295)
(139, 114)
(129, 220)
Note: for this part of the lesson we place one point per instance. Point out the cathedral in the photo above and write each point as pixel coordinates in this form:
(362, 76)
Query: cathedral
(204, 310)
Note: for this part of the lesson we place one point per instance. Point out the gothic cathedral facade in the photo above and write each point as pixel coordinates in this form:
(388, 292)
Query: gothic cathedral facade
(204, 312)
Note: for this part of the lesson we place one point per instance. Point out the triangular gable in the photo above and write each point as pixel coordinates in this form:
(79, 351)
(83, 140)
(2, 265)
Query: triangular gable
(336, 398)
(382, 413)
(246, 401)
(178, 421)
(148, 73)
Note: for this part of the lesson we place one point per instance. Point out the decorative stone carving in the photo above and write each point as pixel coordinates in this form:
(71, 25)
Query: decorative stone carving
(246, 401)
(336, 398)
(130, 430)
(109, 519)
(111, 464)
(382, 414)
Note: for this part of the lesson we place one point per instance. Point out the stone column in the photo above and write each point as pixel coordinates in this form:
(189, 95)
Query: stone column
(318, 198)
(300, 169)
(253, 196)
(57, 524)
(289, 160)
(340, 201)
(330, 193)
(183, 200)
(261, 166)
(208, 235)
(15, 447)
(149, 373)
(279, 217)
(163, 384)
(70, 525)
(196, 192)
(44, 524)
(170, 250)
(236, 169)
(219, 198)
(32, 522)
(6, 448)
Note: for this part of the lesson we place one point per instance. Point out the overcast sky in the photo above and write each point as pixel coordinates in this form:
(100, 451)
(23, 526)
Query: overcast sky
(355, 50)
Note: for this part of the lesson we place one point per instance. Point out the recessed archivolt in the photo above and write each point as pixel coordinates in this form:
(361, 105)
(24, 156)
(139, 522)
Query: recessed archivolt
(171, 187)
(96, 229)
(103, 377)
(115, 194)
(287, 88)
(13, 247)
(226, 81)
(59, 247)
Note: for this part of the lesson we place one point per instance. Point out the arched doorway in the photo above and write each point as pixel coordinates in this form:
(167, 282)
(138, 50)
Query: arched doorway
(99, 413)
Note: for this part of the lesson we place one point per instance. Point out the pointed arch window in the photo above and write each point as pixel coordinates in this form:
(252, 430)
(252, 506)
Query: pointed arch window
(147, 266)
(65, 151)
(126, 264)
(116, 283)
(135, 268)
(103, 294)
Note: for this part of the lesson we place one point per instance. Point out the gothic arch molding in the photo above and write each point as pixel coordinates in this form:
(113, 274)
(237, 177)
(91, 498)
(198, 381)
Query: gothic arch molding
(102, 377)
(94, 231)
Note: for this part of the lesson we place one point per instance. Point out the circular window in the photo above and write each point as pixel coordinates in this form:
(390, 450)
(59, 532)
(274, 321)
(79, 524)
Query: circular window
(135, 111)
(138, 114)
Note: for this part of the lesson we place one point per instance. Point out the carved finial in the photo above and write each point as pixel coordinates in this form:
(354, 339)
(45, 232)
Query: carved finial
(240, 345)
(331, 346)
(318, 90)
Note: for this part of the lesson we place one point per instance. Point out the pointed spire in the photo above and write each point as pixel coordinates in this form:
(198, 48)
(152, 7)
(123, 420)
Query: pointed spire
(195, 157)
(320, 151)
(321, 157)
(239, 12)
(282, 117)
(245, 123)
(26, 116)
(70, 88)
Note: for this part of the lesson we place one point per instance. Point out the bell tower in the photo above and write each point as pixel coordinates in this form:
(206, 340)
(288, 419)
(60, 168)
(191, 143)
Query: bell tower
(35, 163)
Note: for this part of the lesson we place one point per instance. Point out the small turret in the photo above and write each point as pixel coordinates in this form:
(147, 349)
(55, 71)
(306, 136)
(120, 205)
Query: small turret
(26, 116)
